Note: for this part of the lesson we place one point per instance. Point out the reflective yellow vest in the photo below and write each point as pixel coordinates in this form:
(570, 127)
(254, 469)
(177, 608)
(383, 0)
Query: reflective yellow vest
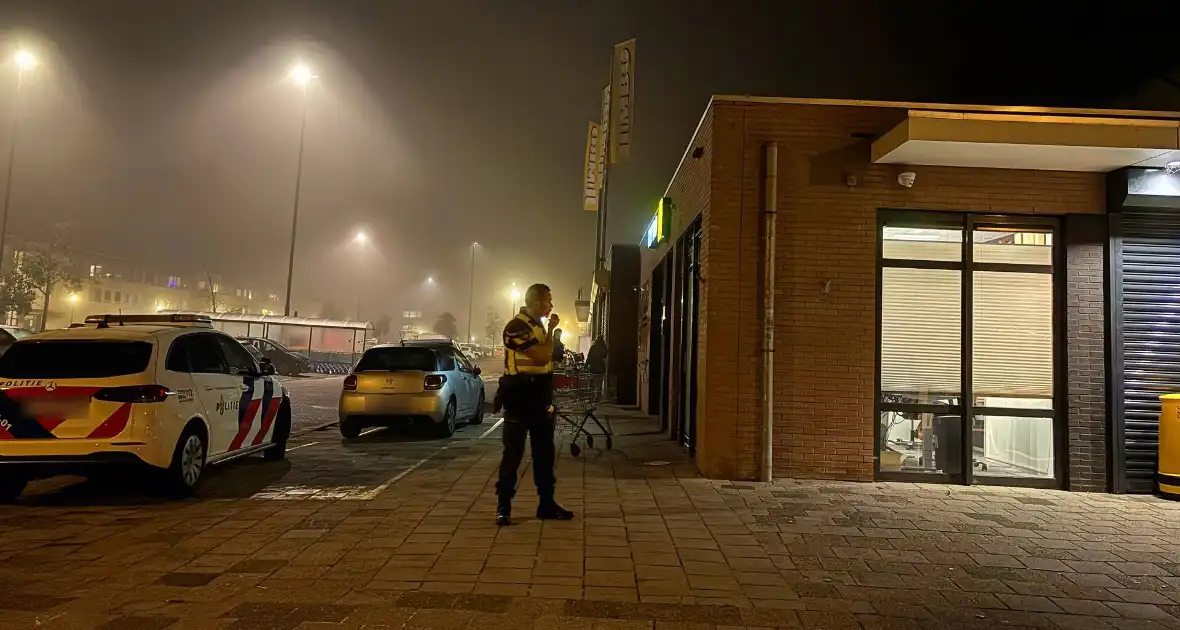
(517, 362)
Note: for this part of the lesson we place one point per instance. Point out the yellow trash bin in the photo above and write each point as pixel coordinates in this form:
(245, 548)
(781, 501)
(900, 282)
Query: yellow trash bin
(1167, 476)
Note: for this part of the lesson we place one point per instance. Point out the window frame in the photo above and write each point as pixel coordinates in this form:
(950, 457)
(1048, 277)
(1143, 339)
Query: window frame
(146, 345)
(463, 363)
(379, 349)
(968, 223)
(444, 354)
(225, 340)
(190, 338)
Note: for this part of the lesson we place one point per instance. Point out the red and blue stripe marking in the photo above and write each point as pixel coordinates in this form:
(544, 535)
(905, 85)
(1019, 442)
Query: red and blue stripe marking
(16, 425)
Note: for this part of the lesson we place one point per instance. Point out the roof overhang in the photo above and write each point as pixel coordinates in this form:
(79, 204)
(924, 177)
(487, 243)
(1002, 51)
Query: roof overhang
(1035, 142)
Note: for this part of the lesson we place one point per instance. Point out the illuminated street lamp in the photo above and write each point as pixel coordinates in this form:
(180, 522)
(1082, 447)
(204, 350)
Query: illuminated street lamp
(24, 61)
(515, 297)
(361, 238)
(302, 76)
(471, 292)
(73, 301)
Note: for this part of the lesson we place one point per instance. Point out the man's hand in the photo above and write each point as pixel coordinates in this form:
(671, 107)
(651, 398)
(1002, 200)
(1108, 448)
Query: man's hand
(554, 320)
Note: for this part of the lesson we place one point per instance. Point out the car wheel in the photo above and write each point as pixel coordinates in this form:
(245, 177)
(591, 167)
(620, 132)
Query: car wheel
(11, 487)
(350, 429)
(446, 428)
(477, 418)
(282, 432)
(188, 462)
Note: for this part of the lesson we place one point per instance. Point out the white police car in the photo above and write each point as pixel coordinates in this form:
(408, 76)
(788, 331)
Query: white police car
(167, 391)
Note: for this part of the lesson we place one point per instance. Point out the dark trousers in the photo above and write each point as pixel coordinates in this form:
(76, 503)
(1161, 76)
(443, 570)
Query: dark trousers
(527, 415)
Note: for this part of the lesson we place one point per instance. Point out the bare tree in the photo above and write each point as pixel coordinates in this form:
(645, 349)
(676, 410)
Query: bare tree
(49, 266)
(382, 325)
(494, 328)
(17, 293)
(331, 311)
(209, 285)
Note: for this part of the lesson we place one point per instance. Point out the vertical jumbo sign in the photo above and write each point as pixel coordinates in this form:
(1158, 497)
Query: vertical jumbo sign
(604, 141)
(590, 173)
(622, 94)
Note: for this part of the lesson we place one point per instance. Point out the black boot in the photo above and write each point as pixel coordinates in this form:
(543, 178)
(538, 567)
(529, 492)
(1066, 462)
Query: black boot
(548, 509)
(503, 514)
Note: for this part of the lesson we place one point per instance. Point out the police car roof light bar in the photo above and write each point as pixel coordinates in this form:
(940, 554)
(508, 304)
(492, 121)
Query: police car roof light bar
(104, 321)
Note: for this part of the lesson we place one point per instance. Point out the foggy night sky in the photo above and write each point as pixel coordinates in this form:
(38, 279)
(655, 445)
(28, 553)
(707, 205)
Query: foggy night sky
(165, 132)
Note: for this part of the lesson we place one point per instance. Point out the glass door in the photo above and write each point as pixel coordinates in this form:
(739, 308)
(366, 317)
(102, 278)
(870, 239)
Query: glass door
(920, 366)
(1012, 339)
(967, 349)
(691, 297)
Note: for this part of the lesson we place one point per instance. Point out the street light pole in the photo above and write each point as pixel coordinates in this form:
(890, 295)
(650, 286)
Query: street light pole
(360, 239)
(24, 61)
(303, 76)
(471, 292)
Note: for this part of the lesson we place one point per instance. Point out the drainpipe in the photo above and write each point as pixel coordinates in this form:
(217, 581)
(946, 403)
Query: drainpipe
(768, 230)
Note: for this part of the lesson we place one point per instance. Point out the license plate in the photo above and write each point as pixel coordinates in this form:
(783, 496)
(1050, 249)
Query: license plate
(55, 408)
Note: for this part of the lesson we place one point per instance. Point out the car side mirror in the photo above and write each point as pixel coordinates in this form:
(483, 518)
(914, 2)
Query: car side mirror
(477, 370)
(268, 368)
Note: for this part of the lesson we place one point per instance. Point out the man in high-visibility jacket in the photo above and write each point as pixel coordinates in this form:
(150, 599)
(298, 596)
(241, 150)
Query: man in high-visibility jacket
(526, 393)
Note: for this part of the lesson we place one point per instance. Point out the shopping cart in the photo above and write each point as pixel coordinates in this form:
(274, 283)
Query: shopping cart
(575, 393)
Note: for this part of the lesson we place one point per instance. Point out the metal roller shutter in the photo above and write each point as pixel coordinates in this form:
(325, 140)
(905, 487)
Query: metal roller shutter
(1150, 336)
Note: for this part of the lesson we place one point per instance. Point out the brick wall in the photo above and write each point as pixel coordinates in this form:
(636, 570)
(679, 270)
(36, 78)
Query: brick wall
(1085, 329)
(691, 190)
(730, 336)
(825, 341)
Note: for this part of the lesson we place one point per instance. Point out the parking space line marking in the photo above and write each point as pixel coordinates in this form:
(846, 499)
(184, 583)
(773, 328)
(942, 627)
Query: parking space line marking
(372, 494)
(489, 431)
(373, 430)
(301, 446)
(321, 407)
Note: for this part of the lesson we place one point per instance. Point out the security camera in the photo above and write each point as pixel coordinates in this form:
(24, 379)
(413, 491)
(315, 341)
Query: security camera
(907, 179)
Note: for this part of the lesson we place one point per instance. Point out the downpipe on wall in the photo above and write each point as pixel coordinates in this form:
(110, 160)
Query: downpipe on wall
(769, 216)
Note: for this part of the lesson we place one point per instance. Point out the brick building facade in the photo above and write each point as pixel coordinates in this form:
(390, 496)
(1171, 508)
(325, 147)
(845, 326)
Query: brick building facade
(837, 176)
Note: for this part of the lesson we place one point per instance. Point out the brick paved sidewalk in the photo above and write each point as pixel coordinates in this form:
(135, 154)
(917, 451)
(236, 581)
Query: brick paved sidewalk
(654, 546)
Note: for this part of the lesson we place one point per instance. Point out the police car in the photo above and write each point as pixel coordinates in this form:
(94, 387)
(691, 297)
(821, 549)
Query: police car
(165, 391)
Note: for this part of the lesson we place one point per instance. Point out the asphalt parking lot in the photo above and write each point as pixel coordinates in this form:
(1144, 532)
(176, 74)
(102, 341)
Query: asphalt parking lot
(319, 460)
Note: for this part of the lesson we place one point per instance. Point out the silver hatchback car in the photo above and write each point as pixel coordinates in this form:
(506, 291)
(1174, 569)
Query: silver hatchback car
(393, 384)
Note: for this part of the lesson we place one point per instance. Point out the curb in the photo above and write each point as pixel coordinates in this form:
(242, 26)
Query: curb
(310, 376)
(318, 427)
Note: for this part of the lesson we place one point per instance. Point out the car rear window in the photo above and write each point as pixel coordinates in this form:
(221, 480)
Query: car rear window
(75, 359)
(397, 360)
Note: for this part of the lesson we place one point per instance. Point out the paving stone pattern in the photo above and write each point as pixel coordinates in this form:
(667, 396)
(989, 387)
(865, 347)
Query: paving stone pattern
(654, 547)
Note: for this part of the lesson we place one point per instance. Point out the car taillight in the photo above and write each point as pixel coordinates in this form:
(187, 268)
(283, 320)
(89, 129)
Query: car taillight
(133, 394)
(434, 381)
(350, 383)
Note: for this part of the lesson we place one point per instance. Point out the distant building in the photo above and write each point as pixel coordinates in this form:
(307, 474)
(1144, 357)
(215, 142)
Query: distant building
(110, 284)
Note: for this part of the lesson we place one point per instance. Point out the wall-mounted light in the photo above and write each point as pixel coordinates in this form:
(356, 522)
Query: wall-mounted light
(1173, 167)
